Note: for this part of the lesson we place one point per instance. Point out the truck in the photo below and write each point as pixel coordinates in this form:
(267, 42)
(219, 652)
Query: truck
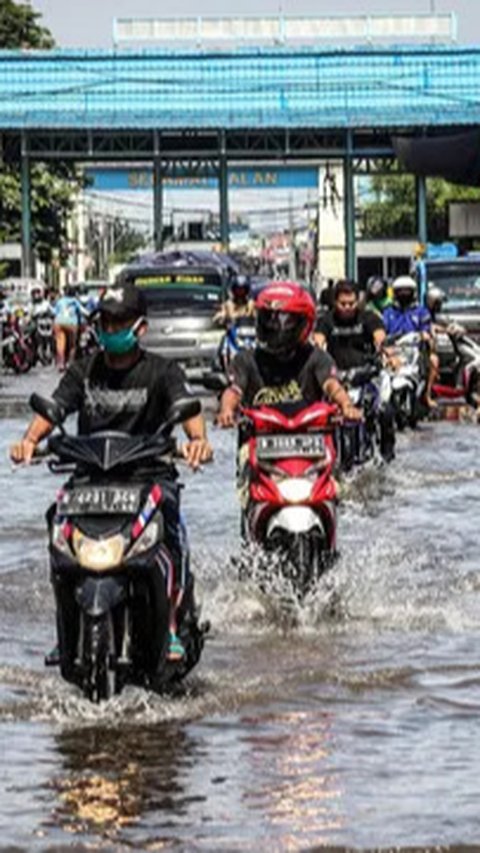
(458, 277)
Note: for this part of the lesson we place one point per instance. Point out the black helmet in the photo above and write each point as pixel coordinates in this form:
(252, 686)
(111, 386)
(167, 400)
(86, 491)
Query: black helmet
(240, 288)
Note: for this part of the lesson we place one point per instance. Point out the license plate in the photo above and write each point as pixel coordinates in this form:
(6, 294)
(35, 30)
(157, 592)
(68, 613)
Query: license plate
(308, 445)
(88, 500)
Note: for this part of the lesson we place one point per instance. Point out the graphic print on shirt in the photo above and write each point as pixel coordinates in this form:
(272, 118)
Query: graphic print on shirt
(272, 395)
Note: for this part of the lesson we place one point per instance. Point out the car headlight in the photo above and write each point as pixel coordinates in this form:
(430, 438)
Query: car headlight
(98, 555)
(146, 540)
(208, 339)
(295, 490)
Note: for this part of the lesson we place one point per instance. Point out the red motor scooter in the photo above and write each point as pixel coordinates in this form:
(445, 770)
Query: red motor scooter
(287, 489)
(466, 369)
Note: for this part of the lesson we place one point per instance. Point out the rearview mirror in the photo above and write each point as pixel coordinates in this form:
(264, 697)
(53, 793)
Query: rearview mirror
(182, 410)
(48, 409)
(215, 382)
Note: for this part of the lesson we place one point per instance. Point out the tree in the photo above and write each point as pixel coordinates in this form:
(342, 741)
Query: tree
(54, 186)
(19, 27)
(112, 240)
(390, 207)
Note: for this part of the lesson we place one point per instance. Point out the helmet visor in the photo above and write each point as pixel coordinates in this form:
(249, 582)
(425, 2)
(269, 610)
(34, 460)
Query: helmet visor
(279, 331)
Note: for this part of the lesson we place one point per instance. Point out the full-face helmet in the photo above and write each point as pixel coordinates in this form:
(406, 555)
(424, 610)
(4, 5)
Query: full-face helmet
(285, 315)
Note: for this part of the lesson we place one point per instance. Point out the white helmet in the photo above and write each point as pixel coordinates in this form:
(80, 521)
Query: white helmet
(404, 282)
(435, 297)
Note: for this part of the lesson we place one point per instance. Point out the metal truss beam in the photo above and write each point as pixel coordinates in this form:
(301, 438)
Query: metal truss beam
(368, 166)
(192, 146)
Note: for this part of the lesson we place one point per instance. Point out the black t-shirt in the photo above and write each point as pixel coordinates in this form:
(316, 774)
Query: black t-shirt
(135, 400)
(265, 379)
(350, 344)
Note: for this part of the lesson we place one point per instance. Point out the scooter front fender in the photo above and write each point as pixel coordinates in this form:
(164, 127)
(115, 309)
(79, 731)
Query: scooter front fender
(96, 596)
(295, 519)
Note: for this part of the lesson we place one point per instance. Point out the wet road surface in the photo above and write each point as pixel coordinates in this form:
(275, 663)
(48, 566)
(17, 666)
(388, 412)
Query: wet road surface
(357, 730)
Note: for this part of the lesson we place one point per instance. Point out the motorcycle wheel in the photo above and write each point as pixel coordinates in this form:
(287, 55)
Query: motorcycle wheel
(100, 680)
(412, 410)
(22, 360)
(400, 406)
(45, 355)
(306, 559)
(387, 434)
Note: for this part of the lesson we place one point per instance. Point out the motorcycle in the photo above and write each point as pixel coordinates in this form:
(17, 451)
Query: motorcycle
(409, 380)
(43, 338)
(18, 346)
(240, 335)
(112, 573)
(87, 342)
(369, 389)
(287, 489)
(466, 387)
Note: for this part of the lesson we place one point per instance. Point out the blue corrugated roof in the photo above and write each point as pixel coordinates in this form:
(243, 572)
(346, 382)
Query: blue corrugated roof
(371, 88)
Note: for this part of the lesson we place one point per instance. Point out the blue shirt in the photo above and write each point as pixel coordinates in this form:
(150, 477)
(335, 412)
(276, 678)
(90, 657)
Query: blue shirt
(400, 321)
(68, 311)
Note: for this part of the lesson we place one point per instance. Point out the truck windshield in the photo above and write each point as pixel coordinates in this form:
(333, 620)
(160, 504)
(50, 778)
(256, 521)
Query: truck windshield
(460, 282)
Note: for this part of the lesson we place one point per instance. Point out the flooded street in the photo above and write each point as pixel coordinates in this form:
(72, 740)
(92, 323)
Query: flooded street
(357, 730)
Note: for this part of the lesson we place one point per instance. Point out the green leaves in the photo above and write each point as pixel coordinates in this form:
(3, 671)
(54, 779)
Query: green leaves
(54, 187)
(19, 27)
(390, 208)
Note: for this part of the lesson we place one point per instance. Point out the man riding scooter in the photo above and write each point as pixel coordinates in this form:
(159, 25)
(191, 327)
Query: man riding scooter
(239, 304)
(377, 295)
(125, 388)
(284, 367)
(406, 316)
(353, 336)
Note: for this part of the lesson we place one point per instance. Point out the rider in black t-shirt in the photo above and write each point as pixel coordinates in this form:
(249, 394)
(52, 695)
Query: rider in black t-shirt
(122, 387)
(349, 334)
(284, 367)
(352, 336)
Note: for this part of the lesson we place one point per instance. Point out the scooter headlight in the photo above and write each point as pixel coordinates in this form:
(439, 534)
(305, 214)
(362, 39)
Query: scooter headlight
(146, 540)
(98, 555)
(295, 490)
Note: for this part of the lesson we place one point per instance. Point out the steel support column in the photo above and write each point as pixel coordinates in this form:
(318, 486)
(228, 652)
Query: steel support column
(223, 187)
(27, 259)
(421, 198)
(157, 204)
(349, 208)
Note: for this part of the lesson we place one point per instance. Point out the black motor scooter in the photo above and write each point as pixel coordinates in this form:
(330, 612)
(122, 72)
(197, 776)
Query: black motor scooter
(112, 573)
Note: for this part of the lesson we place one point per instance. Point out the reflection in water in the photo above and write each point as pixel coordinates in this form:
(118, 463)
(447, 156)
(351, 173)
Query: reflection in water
(400, 670)
(299, 794)
(113, 777)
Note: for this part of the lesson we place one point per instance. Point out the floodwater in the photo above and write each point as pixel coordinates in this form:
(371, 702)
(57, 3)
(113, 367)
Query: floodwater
(357, 729)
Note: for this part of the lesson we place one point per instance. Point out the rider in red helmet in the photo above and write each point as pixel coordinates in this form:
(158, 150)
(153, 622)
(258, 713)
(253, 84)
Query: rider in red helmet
(285, 367)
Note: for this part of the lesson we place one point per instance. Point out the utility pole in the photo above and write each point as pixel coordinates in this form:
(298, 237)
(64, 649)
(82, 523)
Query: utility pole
(292, 264)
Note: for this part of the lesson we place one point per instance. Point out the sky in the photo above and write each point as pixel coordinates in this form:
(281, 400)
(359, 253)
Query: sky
(89, 23)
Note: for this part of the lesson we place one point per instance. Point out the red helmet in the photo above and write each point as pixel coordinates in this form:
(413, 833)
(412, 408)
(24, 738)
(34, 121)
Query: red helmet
(285, 316)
